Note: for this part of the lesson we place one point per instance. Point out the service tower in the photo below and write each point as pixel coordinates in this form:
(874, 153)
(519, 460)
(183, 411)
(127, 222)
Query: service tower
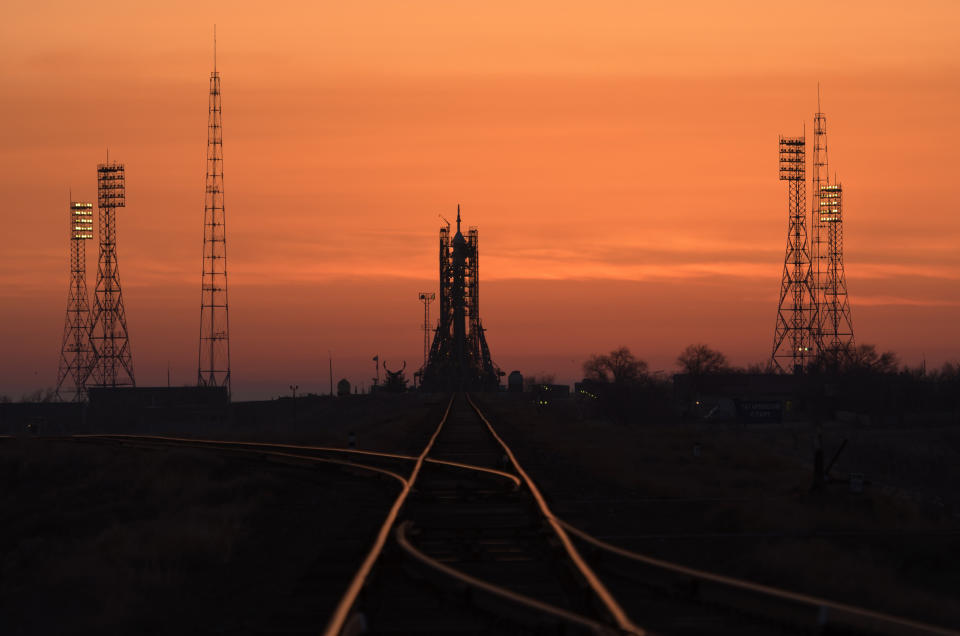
(459, 358)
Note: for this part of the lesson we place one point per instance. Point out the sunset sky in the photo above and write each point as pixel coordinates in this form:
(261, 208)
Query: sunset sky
(618, 158)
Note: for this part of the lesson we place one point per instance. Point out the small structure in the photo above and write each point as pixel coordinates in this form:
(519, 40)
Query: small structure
(515, 382)
(343, 387)
(395, 381)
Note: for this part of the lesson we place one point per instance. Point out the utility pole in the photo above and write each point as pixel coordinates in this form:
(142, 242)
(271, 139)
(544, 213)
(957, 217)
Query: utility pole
(331, 371)
(293, 388)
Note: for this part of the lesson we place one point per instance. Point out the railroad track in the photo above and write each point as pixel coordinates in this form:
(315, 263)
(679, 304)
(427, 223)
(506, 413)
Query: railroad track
(470, 546)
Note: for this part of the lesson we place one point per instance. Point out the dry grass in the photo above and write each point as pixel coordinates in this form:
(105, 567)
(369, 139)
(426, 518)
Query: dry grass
(642, 487)
(97, 538)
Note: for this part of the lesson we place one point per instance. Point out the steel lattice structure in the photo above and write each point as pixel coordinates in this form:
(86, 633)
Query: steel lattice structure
(75, 352)
(111, 358)
(832, 320)
(213, 367)
(836, 323)
(794, 335)
(459, 357)
(426, 298)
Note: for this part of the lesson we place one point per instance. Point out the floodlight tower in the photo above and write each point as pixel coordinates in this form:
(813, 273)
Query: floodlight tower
(836, 323)
(426, 298)
(793, 336)
(112, 360)
(213, 367)
(75, 353)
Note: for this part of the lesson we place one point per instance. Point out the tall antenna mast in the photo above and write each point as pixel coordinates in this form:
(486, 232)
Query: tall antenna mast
(213, 366)
(75, 352)
(833, 321)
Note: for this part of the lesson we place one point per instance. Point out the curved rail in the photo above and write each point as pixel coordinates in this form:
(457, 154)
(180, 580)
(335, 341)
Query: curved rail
(303, 447)
(339, 617)
(495, 590)
(830, 611)
(185, 442)
(229, 442)
(619, 615)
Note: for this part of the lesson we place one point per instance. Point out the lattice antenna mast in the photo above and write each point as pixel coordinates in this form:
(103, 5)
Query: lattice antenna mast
(818, 247)
(111, 358)
(426, 298)
(793, 336)
(75, 352)
(213, 367)
(834, 326)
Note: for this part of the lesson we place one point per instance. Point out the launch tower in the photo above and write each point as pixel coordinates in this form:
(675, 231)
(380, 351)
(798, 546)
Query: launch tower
(111, 359)
(213, 366)
(75, 353)
(459, 358)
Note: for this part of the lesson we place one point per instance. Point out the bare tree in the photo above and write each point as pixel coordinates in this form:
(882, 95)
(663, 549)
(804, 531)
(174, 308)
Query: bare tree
(699, 359)
(865, 357)
(620, 366)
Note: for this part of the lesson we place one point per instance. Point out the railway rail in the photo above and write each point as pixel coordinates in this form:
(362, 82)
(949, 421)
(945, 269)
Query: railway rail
(478, 550)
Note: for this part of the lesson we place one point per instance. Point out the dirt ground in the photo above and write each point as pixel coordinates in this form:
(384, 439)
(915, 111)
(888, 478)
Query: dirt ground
(113, 538)
(108, 539)
(743, 505)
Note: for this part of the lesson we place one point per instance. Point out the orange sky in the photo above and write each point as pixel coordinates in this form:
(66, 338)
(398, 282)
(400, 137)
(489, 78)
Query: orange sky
(619, 159)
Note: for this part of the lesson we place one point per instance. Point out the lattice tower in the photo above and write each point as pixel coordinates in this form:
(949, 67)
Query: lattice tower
(75, 352)
(794, 334)
(112, 360)
(818, 247)
(426, 298)
(459, 357)
(836, 323)
(832, 319)
(213, 367)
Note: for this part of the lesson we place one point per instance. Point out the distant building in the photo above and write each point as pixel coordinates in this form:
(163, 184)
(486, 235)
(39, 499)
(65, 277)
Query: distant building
(515, 382)
(343, 387)
(745, 397)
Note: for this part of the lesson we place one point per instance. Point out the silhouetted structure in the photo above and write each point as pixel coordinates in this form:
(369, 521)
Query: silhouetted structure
(834, 324)
(394, 381)
(793, 336)
(459, 357)
(426, 298)
(75, 352)
(111, 359)
(213, 367)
